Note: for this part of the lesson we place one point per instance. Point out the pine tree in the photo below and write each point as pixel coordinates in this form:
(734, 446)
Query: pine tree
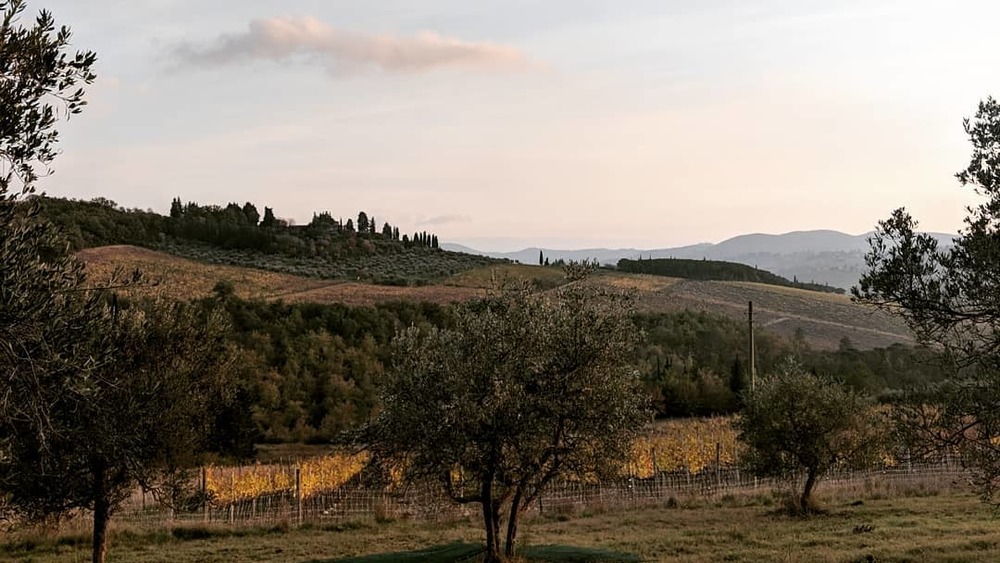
(176, 209)
(268, 221)
(250, 212)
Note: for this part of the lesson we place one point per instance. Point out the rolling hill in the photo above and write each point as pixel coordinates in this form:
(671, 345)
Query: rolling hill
(325, 248)
(818, 256)
(183, 278)
(823, 319)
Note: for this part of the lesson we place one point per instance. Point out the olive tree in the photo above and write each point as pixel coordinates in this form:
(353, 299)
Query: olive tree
(138, 415)
(42, 313)
(95, 399)
(524, 389)
(950, 297)
(796, 423)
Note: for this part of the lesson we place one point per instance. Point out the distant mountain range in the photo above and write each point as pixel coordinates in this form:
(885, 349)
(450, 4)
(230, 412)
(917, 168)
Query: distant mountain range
(821, 256)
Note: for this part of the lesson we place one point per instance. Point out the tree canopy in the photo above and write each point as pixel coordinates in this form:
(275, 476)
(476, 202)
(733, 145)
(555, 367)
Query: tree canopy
(94, 398)
(525, 388)
(950, 297)
(794, 421)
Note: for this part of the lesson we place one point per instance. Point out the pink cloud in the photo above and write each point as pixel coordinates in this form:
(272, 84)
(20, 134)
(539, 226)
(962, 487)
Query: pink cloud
(280, 39)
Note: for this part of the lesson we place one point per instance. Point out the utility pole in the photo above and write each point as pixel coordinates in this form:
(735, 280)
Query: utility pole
(753, 354)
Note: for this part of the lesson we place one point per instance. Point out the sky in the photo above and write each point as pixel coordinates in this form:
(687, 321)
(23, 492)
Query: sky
(503, 124)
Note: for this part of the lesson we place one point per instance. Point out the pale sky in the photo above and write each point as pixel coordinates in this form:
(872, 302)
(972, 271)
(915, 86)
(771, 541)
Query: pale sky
(512, 123)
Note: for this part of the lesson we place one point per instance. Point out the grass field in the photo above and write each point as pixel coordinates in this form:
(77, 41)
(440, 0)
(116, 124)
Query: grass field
(542, 277)
(943, 525)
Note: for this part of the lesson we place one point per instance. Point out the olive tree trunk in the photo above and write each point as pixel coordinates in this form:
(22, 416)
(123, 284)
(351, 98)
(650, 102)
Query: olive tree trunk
(515, 512)
(805, 502)
(491, 519)
(102, 514)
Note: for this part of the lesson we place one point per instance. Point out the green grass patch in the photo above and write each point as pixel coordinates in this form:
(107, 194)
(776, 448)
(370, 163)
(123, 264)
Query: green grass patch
(573, 554)
(465, 552)
(457, 551)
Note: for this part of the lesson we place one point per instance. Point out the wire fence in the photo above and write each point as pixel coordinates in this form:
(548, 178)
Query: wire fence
(355, 502)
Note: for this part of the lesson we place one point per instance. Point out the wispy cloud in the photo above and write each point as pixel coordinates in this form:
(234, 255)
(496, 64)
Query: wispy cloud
(312, 40)
(439, 220)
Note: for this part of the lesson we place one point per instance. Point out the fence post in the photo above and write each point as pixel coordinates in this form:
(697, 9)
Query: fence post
(204, 493)
(232, 502)
(298, 495)
(718, 465)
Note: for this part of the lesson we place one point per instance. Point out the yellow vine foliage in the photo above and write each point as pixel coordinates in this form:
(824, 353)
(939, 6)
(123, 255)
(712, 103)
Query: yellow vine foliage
(229, 484)
(685, 444)
(330, 472)
(673, 445)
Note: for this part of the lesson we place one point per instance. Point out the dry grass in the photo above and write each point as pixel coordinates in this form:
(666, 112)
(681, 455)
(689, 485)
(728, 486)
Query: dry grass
(485, 278)
(352, 293)
(638, 282)
(952, 526)
(180, 278)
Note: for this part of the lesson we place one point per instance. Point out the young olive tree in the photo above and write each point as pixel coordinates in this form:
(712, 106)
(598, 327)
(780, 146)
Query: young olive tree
(950, 297)
(526, 388)
(795, 422)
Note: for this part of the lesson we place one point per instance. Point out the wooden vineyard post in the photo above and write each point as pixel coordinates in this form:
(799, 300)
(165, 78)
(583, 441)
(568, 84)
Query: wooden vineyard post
(718, 465)
(298, 495)
(204, 493)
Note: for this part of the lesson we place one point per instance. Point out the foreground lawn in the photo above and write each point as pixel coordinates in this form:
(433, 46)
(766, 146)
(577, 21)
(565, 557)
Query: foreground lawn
(950, 527)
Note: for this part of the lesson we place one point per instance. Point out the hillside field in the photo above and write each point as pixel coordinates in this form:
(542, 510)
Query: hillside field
(823, 319)
(181, 278)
